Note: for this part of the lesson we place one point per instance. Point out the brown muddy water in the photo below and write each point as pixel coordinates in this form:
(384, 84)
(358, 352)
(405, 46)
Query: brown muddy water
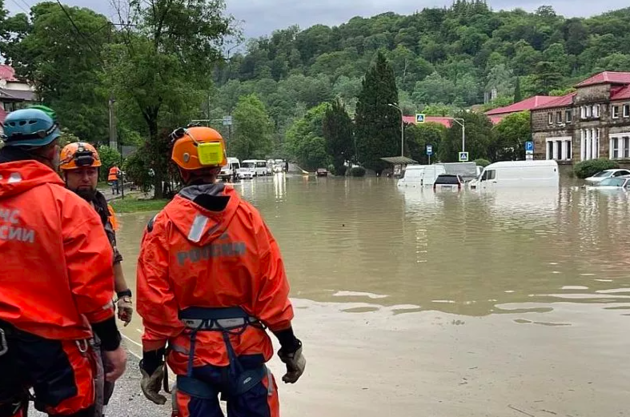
(411, 303)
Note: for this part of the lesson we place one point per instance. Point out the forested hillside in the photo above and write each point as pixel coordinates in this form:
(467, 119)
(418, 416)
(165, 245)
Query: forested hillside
(443, 59)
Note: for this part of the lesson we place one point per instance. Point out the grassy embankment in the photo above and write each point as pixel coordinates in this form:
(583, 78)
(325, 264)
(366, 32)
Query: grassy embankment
(135, 205)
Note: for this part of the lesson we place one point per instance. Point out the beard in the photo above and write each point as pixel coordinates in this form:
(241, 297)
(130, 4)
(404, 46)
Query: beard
(87, 194)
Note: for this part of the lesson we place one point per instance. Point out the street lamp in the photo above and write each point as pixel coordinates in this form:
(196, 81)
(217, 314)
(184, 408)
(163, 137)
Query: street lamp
(461, 123)
(402, 129)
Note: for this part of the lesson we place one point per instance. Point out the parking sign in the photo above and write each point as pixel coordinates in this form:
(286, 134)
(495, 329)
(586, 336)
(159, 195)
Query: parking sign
(529, 147)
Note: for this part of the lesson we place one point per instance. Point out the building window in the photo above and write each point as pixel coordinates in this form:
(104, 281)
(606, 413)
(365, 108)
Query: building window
(589, 111)
(583, 112)
(614, 146)
(596, 110)
(550, 117)
(559, 117)
(626, 110)
(615, 112)
(560, 149)
(568, 116)
(620, 146)
(589, 144)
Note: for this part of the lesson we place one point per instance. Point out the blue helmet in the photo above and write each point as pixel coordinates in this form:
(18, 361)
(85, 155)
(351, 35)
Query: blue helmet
(29, 127)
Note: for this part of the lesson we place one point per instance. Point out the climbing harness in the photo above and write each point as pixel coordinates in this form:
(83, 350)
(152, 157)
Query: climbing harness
(230, 321)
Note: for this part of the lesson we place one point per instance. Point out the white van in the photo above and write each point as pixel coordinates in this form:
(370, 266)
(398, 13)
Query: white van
(519, 174)
(421, 175)
(232, 167)
(257, 166)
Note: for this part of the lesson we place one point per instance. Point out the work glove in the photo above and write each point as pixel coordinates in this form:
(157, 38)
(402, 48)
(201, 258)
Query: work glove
(151, 385)
(295, 362)
(125, 309)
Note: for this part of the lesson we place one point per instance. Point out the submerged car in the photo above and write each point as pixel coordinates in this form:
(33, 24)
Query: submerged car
(448, 182)
(616, 183)
(322, 172)
(609, 173)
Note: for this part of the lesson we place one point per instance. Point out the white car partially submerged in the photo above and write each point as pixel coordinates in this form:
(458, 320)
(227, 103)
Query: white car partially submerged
(609, 173)
(616, 183)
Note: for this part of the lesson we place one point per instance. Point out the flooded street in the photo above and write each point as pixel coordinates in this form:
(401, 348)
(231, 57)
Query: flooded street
(411, 303)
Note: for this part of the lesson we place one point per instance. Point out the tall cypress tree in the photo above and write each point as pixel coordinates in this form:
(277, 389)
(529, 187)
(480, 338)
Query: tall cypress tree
(378, 124)
(518, 96)
(339, 134)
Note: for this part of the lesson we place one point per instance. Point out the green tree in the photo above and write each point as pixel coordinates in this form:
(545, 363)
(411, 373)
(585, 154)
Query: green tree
(66, 66)
(377, 123)
(164, 61)
(575, 35)
(338, 132)
(434, 88)
(252, 129)
(478, 138)
(509, 137)
(500, 78)
(546, 78)
(305, 139)
(518, 94)
(417, 137)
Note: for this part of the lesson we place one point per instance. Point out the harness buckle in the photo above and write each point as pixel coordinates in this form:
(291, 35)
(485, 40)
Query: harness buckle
(4, 346)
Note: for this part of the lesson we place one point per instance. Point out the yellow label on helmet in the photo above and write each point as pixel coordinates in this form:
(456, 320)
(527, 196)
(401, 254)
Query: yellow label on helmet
(210, 154)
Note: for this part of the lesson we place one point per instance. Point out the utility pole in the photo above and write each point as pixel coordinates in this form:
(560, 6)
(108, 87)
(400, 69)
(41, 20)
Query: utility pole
(402, 129)
(461, 122)
(113, 140)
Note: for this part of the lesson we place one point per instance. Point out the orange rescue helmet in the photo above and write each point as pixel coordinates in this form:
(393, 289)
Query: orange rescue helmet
(78, 155)
(198, 147)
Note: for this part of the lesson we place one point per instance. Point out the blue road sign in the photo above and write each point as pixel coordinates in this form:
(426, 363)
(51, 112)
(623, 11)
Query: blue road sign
(463, 157)
(429, 150)
(529, 146)
(419, 118)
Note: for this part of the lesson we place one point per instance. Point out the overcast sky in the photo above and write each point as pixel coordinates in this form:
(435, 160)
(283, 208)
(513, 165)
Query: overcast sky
(261, 17)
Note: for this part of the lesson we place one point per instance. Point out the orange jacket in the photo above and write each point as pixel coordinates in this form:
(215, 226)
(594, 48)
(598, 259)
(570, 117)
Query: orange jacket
(194, 257)
(56, 272)
(114, 172)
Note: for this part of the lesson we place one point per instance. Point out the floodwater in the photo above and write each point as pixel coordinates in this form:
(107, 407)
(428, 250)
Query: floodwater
(411, 303)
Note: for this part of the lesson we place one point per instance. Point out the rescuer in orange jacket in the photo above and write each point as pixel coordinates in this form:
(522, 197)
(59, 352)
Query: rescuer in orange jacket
(114, 178)
(80, 164)
(210, 280)
(56, 281)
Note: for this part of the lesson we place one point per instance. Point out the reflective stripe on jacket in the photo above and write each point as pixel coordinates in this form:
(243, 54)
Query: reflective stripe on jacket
(195, 257)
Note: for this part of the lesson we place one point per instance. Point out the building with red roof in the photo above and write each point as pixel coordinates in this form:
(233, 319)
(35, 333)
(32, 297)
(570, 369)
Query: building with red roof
(496, 115)
(444, 121)
(591, 122)
(14, 93)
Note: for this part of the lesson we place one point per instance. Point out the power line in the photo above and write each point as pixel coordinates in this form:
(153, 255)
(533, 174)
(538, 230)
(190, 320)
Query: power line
(87, 40)
(27, 5)
(20, 6)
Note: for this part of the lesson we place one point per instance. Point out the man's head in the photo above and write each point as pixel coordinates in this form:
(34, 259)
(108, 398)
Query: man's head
(80, 164)
(199, 152)
(35, 132)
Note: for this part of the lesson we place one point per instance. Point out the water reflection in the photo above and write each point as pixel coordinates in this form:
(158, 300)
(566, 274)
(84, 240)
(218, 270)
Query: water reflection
(429, 281)
(455, 252)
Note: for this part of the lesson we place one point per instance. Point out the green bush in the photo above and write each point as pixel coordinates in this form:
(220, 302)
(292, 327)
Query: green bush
(109, 158)
(482, 162)
(587, 169)
(137, 170)
(357, 172)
